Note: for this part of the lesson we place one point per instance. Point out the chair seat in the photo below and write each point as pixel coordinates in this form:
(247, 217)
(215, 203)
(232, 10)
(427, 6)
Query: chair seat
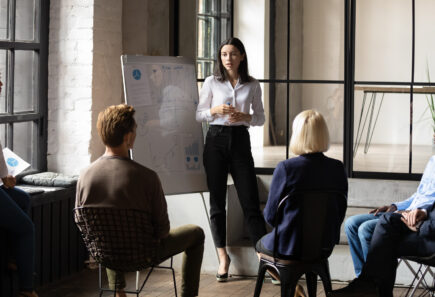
(313, 262)
(285, 261)
(120, 239)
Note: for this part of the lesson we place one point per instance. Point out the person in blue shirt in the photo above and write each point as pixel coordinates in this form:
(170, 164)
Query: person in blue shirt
(14, 219)
(359, 228)
(395, 235)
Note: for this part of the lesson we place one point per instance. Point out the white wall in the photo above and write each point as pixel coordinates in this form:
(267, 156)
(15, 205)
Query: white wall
(70, 85)
(85, 44)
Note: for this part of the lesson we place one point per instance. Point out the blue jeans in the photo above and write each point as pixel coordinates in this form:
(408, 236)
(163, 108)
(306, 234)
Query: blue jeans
(14, 205)
(359, 230)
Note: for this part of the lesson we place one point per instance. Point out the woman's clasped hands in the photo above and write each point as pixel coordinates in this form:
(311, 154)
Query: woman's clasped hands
(234, 115)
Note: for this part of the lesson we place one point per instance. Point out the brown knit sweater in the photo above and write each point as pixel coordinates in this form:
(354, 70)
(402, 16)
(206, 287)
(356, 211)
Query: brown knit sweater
(122, 183)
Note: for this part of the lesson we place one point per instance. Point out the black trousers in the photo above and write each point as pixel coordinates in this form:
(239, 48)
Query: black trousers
(228, 150)
(392, 240)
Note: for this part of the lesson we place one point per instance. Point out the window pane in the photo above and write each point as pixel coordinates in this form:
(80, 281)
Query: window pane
(25, 82)
(269, 141)
(325, 98)
(3, 79)
(206, 6)
(381, 129)
(278, 41)
(317, 40)
(3, 135)
(207, 36)
(25, 20)
(3, 19)
(423, 136)
(424, 47)
(328, 99)
(225, 6)
(205, 69)
(24, 141)
(383, 40)
(225, 29)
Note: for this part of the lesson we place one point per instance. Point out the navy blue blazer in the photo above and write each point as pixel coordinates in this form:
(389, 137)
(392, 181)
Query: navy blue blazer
(306, 172)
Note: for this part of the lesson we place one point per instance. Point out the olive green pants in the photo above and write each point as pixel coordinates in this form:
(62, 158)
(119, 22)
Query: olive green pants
(188, 239)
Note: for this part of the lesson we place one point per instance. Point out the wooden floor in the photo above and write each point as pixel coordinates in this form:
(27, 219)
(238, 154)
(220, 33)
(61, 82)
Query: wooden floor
(85, 284)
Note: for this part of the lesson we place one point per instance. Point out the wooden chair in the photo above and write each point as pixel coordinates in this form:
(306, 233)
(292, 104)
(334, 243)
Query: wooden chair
(120, 239)
(316, 207)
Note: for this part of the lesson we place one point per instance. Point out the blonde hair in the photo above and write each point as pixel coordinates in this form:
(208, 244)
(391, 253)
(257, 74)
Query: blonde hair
(309, 133)
(114, 122)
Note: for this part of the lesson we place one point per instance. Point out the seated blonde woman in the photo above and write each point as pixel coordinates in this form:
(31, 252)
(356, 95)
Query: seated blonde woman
(310, 170)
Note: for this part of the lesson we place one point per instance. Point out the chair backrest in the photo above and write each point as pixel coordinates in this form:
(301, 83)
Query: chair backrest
(321, 217)
(120, 239)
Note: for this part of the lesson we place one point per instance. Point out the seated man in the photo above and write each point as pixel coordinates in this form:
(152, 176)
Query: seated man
(396, 235)
(114, 180)
(359, 228)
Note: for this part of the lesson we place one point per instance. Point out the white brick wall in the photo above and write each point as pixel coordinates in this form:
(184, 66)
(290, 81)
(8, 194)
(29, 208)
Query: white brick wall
(84, 77)
(70, 85)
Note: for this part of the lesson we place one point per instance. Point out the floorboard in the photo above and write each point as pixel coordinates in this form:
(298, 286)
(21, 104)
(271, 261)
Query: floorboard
(85, 284)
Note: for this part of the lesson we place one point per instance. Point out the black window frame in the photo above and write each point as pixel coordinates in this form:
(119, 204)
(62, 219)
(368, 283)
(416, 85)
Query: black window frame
(39, 115)
(217, 15)
(349, 84)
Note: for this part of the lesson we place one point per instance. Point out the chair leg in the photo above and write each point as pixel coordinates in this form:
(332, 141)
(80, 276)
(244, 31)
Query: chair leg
(311, 283)
(100, 285)
(175, 284)
(116, 284)
(287, 288)
(325, 276)
(260, 278)
(419, 280)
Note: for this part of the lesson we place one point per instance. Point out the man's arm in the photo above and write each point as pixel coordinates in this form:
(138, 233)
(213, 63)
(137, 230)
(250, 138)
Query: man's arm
(385, 208)
(160, 219)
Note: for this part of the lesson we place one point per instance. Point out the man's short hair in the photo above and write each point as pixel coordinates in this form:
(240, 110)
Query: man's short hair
(114, 122)
(310, 133)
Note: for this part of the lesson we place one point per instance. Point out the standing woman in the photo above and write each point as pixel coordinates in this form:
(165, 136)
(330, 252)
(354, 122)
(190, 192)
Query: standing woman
(14, 205)
(225, 101)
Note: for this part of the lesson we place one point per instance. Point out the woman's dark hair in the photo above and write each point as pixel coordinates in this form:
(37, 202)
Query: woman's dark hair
(221, 73)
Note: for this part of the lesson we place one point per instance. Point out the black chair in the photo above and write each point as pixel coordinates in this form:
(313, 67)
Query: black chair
(122, 240)
(316, 206)
(425, 265)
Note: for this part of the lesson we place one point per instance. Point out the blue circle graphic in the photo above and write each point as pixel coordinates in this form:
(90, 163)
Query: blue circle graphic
(196, 159)
(136, 74)
(12, 162)
(188, 159)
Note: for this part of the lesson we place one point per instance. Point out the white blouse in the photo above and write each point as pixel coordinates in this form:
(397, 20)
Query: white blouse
(242, 97)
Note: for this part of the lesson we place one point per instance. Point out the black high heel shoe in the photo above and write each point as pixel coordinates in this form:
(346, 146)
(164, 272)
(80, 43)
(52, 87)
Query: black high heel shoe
(224, 276)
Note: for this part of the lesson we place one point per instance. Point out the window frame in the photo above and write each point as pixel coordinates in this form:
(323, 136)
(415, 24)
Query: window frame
(217, 16)
(348, 83)
(38, 116)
